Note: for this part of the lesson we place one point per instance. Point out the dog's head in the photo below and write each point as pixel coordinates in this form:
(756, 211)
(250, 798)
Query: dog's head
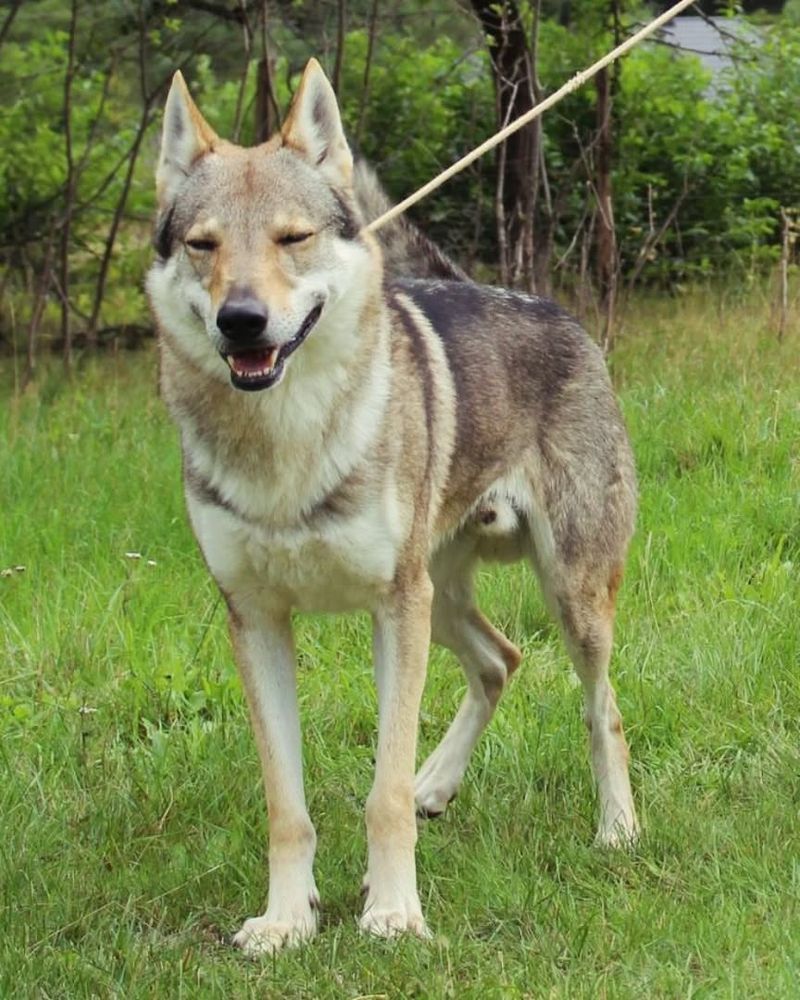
(255, 246)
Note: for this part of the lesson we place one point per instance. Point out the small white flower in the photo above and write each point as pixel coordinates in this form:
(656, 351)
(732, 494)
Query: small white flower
(152, 562)
(6, 572)
(133, 555)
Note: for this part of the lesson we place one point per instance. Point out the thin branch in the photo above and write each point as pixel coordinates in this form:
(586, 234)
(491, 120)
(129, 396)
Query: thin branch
(727, 54)
(654, 237)
(90, 137)
(722, 32)
(46, 277)
(362, 107)
(573, 242)
(341, 21)
(247, 43)
(15, 6)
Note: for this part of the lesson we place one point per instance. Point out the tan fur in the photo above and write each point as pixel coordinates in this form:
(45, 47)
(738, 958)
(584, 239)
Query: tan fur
(369, 445)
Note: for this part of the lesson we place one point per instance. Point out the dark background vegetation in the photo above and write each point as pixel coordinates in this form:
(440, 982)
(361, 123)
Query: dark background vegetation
(655, 174)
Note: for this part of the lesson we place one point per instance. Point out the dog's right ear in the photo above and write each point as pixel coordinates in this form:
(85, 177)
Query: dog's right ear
(186, 136)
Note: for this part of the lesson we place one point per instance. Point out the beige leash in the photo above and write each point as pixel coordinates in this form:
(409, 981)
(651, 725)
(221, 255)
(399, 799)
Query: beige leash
(572, 84)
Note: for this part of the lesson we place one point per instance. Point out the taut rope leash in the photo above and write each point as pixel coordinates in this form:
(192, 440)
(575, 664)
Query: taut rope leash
(572, 84)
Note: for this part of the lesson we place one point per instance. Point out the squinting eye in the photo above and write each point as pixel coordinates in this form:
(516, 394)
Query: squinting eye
(204, 245)
(293, 238)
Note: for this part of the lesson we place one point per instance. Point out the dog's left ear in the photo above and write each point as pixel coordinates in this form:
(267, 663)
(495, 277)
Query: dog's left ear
(314, 128)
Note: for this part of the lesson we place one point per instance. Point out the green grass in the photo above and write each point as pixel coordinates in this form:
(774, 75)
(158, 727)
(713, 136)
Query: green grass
(132, 822)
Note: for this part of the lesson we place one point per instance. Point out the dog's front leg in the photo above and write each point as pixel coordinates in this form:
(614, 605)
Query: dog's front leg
(402, 635)
(265, 655)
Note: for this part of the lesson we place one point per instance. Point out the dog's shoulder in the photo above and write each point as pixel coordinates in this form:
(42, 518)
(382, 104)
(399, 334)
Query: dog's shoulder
(448, 303)
(488, 332)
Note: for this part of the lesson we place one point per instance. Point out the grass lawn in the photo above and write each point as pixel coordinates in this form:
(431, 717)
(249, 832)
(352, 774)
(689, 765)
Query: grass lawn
(132, 820)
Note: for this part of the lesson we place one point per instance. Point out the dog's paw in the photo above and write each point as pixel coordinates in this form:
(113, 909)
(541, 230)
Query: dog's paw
(431, 804)
(388, 921)
(265, 935)
(391, 923)
(434, 790)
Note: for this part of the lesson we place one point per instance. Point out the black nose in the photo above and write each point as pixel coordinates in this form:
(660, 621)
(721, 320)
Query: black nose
(242, 318)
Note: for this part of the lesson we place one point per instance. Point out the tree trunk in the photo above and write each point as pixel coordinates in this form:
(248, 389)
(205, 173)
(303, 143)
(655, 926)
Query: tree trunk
(518, 158)
(69, 188)
(267, 114)
(606, 233)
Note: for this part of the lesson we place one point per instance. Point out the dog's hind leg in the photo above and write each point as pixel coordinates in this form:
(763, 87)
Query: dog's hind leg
(583, 600)
(488, 660)
(581, 517)
(587, 617)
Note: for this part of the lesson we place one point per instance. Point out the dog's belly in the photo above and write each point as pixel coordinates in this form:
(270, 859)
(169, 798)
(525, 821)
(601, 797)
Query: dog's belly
(339, 565)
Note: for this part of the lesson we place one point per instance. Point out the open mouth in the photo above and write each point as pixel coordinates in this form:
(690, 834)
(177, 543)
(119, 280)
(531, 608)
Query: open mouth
(261, 367)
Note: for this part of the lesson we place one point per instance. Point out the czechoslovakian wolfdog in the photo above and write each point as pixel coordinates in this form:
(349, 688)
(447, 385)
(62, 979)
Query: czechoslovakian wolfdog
(358, 436)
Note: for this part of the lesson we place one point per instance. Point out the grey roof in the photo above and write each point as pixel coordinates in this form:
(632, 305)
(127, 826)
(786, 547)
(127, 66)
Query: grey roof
(712, 42)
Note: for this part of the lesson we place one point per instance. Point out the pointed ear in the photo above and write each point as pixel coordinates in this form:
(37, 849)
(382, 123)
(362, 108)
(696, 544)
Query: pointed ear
(186, 136)
(314, 128)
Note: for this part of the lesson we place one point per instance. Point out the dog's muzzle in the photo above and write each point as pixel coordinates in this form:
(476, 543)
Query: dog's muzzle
(255, 363)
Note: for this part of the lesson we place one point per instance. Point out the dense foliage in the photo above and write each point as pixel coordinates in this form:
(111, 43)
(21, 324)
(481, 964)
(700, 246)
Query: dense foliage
(701, 167)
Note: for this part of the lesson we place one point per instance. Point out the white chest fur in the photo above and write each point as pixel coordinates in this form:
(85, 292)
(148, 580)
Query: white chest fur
(333, 564)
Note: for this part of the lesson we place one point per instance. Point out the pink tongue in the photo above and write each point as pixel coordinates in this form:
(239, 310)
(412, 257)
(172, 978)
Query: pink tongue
(250, 361)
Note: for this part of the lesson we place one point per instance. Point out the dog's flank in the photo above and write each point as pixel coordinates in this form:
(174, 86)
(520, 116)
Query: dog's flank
(357, 438)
